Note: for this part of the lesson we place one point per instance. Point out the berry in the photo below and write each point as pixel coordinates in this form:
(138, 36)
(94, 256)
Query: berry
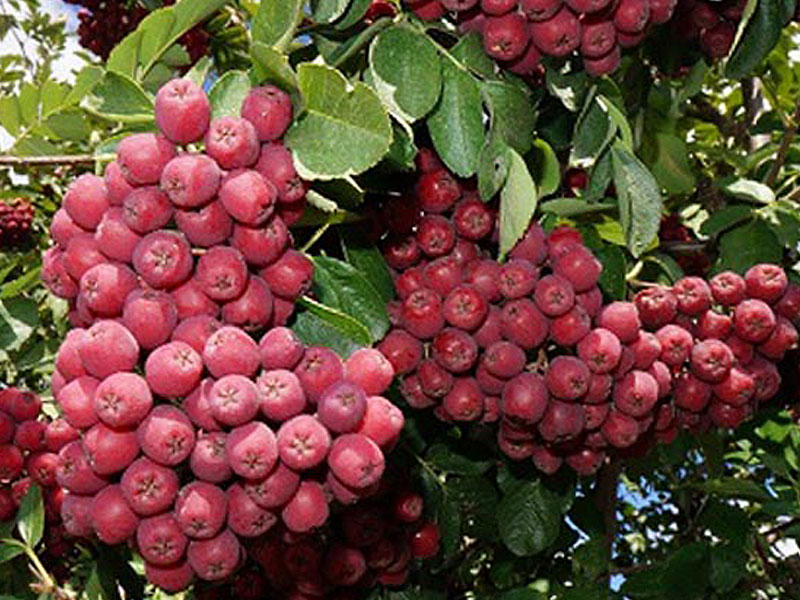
(182, 111)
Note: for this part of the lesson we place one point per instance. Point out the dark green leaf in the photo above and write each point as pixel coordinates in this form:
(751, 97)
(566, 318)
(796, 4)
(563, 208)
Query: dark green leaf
(321, 325)
(406, 72)
(354, 14)
(593, 131)
(9, 551)
(456, 460)
(341, 286)
(728, 567)
(523, 594)
(518, 201)
(612, 280)
(724, 218)
(449, 521)
(748, 245)
(544, 167)
(570, 88)
(367, 258)
(19, 318)
(676, 583)
(493, 165)
(725, 521)
(644, 584)
(599, 178)
(273, 67)
(228, 93)
(513, 116)
(729, 487)
(529, 519)
(469, 50)
(327, 11)
(666, 155)
(573, 207)
(456, 123)
(30, 517)
(477, 499)
(760, 35)
(275, 21)
(639, 200)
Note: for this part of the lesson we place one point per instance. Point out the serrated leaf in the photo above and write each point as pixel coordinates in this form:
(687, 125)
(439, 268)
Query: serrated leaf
(544, 166)
(518, 201)
(512, 114)
(275, 21)
(345, 129)
(456, 123)
(354, 14)
(725, 218)
(320, 325)
(493, 164)
(747, 189)
(327, 11)
(271, 66)
(574, 207)
(529, 519)
(640, 202)
(406, 72)
(470, 53)
(117, 97)
(30, 517)
(368, 259)
(759, 36)
(748, 245)
(456, 460)
(477, 499)
(666, 155)
(594, 130)
(228, 93)
(341, 286)
(612, 279)
(19, 318)
(691, 558)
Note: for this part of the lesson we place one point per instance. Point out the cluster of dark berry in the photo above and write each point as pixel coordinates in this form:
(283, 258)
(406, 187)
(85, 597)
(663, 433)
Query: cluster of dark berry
(29, 446)
(16, 220)
(104, 23)
(712, 24)
(172, 263)
(530, 344)
(519, 32)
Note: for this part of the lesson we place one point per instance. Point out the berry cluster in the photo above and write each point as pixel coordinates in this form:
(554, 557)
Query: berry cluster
(373, 542)
(29, 447)
(262, 432)
(712, 24)
(104, 23)
(519, 32)
(16, 220)
(530, 344)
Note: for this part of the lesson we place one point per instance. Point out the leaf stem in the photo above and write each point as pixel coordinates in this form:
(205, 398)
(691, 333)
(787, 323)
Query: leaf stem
(316, 237)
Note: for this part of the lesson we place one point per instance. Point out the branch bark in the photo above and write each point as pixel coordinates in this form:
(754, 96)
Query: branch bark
(605, 497)
(783, 150)
(61, 159)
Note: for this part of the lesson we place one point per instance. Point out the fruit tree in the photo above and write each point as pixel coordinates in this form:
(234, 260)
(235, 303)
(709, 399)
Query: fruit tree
(394, 299)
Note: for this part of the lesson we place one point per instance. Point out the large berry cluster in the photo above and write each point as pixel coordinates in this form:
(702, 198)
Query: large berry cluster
(519, 32)
(29, 446)
(712, 24)
(162, 370)
(104, 23)
(530, 344)
(16, 220)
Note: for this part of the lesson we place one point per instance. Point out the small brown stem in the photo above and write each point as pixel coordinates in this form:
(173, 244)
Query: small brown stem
(783, 150)
(605, 497)
(63, 159)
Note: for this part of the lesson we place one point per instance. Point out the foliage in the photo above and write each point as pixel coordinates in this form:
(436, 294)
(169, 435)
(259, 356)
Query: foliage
(712, 146)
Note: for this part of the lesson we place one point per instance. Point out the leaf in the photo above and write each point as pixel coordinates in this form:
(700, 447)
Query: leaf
(142, 48)
(368, 259)
(639, 200)
(725, 218)
(573, 207)
(644, 584)
(117, 97)
(747, 189)
(748, 245)
(270, 66)
(593, 131)
(476, 499)
(228, 93)
(199, 71)
(275, 21)
(612, 279)
(725, 521)
(321, 325)
(406, 72)
(729, 487)
(666, 155)
(599, 179)
(353, 15)
(9, 551)
(513, 116)
(728, 566)
(19, 318)
(449, 520)
(518, 201)
(544, 166)
(30, 517)
(529, 519)
(456, 123)
(469, 51)
(493, 164)
(345, 129)
(341, 286)
(327, 11)
(690, 559)
(569, 88)
(456, 460)
(760, 35)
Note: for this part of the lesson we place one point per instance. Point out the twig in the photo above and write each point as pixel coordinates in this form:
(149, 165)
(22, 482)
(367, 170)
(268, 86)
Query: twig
(786, 142)
(60, 159)
(606, 500)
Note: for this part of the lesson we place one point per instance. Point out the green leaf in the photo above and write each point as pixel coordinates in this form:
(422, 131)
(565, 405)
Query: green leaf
(644, 584)
(593, 131)
(517, 203)
(19, 318)
(728, 566)
(573, 207)
(457, 460)
(529, 519)
(406, 72)
(690, 559)
(725, 218)
(30, 517)
(477, 500)
(9, 550)
(275, 21)
(523, 594)
(117, 97)
(10, 117)
(345, 129)
(199, 71)
(341, 286)
(270, 66)
(747, 189)
(725, 521)
(320, 325)
(544, 167)
(760, 35)
(228, 93)
(353, 15)
(729, 487)
(748, 245)
(666, 155)
(612, 279)
(493, 164)
(448, 518)
(513, 116)
(456, 123)
(639, 200)
(569, 88)
(327, 11)
(368, 259)
(599, 178)
(144, 47)
(469, 51)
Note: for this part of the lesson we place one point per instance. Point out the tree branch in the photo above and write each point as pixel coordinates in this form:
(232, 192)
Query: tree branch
(62, 159)
(783, 150)
(606, 500)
